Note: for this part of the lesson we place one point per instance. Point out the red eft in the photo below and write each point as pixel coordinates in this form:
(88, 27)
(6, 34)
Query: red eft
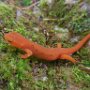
(49, 54)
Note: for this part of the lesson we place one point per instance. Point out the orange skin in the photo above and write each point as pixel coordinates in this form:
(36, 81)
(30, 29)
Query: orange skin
(49, 54)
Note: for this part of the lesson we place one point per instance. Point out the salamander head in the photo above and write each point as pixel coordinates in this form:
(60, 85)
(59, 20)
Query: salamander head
(15, 39)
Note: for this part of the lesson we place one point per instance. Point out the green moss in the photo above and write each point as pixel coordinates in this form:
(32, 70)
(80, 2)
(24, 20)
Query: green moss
(6, 16)
(81, 25)
(68, 16)
(26, 2)
(5, 9)
(81, 76)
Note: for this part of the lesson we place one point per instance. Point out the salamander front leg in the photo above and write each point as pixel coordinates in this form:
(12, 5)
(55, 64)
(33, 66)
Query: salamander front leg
(67, 57)
(28, 53)
(59, 45)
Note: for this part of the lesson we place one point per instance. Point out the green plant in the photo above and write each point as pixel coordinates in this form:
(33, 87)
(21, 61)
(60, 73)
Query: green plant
(68, 16)
(81, 25)
(43, 3)
(6, 16)
(84, 54)
(26, 2)
(81, 76)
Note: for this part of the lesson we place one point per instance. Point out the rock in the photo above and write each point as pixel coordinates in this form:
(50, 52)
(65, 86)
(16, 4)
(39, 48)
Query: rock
(50, 3)
(75, 39)
(44, 78)
(88, 44)
(36, 29)
(36, 11)
(18, 14)
(72, 87)
(63, 30)
(71, 2)
(84, 6)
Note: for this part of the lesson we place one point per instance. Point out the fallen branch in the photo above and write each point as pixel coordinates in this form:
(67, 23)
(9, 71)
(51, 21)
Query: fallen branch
(86, 69)
(31, 6)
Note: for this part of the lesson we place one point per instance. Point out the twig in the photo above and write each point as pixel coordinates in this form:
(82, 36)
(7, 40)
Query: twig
(86, 69)
(31, 6)
(47, 19)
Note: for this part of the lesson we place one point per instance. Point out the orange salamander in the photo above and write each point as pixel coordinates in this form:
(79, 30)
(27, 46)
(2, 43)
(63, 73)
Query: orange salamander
(49, 54)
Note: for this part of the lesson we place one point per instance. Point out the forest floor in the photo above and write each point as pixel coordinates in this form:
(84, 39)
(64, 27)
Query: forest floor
(34, 73)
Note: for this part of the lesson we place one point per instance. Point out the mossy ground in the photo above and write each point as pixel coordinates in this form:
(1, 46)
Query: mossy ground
(33, 73)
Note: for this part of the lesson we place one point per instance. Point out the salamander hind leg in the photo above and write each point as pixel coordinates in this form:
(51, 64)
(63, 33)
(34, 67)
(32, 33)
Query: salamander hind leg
(67, 57)
(27, 53)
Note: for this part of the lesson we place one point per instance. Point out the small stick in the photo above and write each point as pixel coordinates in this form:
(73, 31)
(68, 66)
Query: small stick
(86, 69)
(31, 6)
